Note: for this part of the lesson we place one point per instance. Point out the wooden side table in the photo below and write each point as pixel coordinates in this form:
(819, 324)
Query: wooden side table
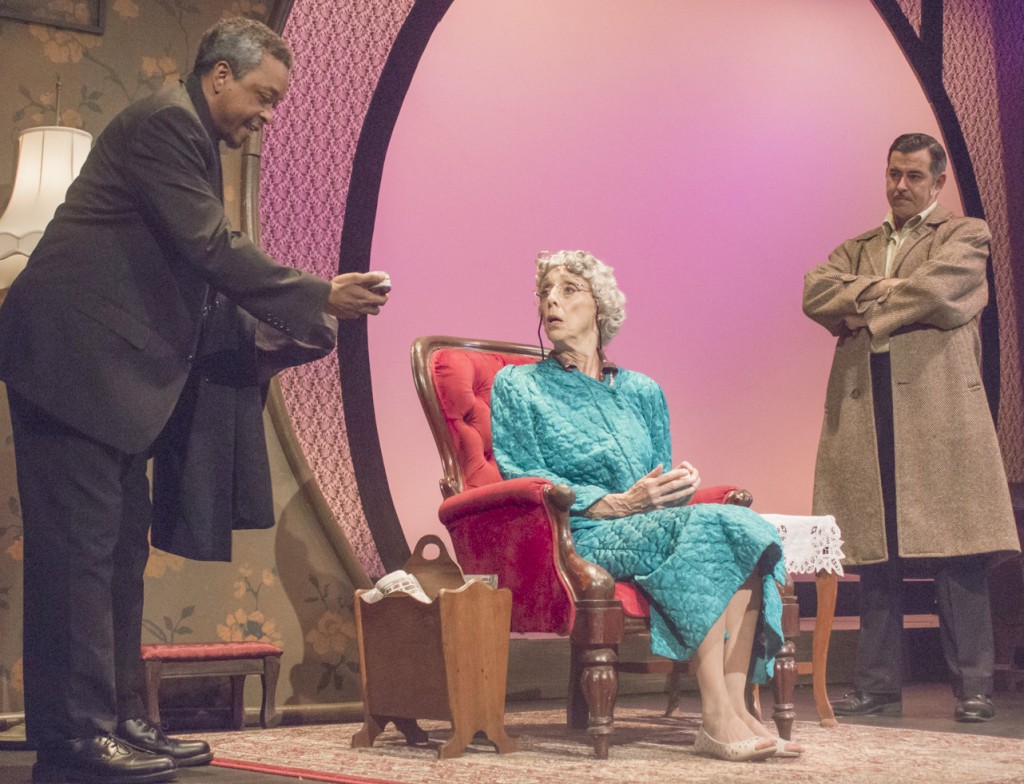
(447, 660)
(826, 584)
(813, 545)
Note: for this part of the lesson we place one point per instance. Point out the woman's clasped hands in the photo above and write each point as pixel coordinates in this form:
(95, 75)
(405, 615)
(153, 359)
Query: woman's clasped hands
(659, 489)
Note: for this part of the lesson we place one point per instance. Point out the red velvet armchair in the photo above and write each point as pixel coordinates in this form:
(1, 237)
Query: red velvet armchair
(518, 529)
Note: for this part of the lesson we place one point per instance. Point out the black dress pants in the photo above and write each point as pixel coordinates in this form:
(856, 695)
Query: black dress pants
(961, 589)
(86, 515)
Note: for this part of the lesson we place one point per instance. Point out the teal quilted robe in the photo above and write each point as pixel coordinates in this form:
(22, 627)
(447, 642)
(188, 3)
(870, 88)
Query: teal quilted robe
(601, 437)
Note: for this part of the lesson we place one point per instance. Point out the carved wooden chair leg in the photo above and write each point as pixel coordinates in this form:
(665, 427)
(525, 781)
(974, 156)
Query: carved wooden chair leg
(576, 710)
(784, 678)
(595, 638)
(783, 684)
(599, 683)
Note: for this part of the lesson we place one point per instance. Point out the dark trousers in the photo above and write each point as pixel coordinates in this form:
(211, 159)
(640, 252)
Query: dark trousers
(961, 589)
(86, 514)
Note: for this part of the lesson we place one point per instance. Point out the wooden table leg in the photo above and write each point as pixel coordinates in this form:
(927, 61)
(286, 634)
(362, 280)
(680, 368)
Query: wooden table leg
(827, 585)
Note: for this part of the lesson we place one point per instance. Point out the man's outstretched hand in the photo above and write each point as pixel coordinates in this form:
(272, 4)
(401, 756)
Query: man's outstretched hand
(351, 296)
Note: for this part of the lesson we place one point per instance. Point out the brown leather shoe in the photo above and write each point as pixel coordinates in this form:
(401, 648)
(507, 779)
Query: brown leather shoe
(100, 759)
(144, 734)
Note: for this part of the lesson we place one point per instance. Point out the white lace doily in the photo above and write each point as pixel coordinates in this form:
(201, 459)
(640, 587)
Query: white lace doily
(810, 544)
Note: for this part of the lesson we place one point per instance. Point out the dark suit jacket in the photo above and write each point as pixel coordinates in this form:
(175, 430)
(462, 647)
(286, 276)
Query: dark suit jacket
(103, 328)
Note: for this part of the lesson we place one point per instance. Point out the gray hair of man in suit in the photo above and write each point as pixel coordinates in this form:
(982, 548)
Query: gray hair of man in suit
(241, 43)
(912, 142)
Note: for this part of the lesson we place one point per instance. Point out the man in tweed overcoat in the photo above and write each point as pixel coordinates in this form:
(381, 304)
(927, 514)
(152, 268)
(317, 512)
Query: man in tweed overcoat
(908, 460)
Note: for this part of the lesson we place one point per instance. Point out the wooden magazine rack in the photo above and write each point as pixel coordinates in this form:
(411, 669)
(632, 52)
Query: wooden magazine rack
(447, 660)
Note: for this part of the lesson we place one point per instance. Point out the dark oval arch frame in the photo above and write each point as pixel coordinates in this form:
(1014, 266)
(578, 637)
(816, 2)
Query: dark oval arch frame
(924, 52)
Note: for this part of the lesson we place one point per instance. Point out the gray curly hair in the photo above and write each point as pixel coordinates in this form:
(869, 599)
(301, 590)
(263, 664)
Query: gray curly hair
(241, 42)
(611, 302)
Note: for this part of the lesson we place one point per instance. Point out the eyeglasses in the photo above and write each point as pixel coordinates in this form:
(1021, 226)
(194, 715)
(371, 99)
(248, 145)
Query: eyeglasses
(566, 291)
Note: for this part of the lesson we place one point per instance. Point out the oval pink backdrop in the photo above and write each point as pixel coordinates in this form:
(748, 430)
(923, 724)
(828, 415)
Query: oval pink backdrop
(710, 151)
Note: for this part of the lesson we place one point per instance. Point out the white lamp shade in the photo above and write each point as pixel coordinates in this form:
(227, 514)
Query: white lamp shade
(49, 158)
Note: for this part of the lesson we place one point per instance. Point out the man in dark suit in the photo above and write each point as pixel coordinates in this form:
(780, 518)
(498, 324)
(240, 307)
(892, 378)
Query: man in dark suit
(132, 332)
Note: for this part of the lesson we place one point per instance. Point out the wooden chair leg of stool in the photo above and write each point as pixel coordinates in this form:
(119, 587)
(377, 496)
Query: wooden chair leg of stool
(237, 701)
(152, 672)
(268, 711)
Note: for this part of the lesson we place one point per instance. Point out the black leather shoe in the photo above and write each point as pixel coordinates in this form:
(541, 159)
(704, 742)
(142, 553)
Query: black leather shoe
(144, 734)
(860, 703)
(101, 759)
(976, 708)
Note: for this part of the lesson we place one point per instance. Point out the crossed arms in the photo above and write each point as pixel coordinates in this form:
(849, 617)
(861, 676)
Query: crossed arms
(945, 290)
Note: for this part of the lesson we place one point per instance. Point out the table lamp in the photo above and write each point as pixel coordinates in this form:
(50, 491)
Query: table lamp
(49, 158)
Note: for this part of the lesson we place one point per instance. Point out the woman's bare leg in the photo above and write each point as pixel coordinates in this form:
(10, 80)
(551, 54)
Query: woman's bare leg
(741, 615)
(718, 714)
(740, 618)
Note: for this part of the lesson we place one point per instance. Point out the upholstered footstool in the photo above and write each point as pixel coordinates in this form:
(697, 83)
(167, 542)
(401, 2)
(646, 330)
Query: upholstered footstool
(233, 659)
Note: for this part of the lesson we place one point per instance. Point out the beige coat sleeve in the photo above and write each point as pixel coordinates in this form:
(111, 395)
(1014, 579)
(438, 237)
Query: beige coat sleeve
(946, 290)
(832, 290)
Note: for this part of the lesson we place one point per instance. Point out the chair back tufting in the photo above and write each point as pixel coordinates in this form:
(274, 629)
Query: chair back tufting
(454, 377)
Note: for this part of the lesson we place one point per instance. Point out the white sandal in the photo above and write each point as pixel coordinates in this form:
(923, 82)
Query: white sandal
(782, 751)
(740, 751)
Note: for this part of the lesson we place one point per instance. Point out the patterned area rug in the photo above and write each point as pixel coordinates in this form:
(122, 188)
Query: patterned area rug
(647, 748)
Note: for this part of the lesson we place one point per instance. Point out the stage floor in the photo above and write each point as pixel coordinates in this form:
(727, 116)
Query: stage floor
(926, 707)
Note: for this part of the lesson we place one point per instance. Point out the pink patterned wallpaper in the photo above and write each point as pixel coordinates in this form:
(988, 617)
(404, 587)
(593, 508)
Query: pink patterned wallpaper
(970, 76)
(340, 49)
(912, 10)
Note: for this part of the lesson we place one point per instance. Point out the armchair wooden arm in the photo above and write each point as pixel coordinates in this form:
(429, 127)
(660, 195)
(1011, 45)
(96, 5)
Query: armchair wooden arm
(723, 494)
(518, 529)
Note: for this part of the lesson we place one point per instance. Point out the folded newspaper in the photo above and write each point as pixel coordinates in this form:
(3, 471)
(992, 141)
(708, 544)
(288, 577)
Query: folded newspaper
(396, 582)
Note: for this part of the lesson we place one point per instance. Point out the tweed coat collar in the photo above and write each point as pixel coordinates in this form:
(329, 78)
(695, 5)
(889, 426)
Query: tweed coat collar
(876, 241)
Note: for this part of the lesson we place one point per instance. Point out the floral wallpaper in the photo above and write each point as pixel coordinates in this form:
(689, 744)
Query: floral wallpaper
(284, 586)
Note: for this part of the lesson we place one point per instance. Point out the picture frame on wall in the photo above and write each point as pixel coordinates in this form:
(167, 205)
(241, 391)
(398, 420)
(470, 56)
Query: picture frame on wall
(87, 16)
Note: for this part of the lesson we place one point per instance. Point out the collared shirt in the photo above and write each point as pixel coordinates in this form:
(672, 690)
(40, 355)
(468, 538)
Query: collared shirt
(894, 240)
(608, 368)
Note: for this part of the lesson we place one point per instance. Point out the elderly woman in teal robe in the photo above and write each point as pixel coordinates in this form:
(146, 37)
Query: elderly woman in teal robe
(709, 570)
